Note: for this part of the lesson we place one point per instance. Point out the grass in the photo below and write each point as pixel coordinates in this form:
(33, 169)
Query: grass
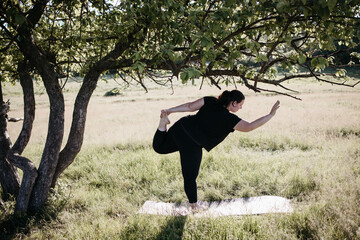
(309, 153)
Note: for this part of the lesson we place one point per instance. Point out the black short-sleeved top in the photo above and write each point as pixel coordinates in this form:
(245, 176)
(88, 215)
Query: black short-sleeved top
(211, 124)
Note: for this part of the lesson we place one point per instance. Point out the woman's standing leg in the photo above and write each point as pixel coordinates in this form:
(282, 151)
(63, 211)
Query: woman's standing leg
(190, 157)
(190, 166)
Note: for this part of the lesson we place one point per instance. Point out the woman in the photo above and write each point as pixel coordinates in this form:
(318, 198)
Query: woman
(206, 129)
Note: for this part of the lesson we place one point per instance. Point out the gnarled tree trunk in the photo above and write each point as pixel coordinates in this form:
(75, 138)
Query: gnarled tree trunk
(9, 177)
(14, 156)
(37, 183)
(55, 133)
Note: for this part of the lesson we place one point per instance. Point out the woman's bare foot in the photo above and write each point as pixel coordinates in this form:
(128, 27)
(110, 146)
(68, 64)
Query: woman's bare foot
(164, 120)
(197, 208)
(193, 206)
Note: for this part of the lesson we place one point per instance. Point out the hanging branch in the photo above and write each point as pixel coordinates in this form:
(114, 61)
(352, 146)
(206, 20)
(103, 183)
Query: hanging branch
(214, 82)
(265, 65)
(331, 82)
(207, 12)
(124, 79)
(280, 93)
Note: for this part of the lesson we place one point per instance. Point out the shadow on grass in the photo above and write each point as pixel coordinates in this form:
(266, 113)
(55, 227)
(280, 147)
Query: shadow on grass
(19, 225)
(173, 229)
(16, 226)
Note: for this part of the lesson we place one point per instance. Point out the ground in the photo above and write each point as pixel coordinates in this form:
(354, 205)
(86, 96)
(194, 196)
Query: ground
(308, 153)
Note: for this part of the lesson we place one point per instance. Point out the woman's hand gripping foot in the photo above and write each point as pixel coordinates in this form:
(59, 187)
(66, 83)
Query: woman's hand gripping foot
(164, 121)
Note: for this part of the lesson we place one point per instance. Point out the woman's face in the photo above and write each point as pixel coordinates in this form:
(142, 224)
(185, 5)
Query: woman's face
(235, 106)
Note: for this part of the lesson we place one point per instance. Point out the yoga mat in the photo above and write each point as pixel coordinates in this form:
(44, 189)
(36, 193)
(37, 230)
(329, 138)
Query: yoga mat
(230, 207)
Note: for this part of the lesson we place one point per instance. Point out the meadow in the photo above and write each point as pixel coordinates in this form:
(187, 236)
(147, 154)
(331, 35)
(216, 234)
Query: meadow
(309, 152)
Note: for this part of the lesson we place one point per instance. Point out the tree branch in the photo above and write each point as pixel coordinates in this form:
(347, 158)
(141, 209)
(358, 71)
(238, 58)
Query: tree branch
(76, 135)
(28, 181)
(29, 108)
(331, 82)
(277, 92)
(244, 28)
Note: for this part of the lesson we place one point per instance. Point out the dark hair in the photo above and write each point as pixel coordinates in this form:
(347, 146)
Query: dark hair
(228, 96)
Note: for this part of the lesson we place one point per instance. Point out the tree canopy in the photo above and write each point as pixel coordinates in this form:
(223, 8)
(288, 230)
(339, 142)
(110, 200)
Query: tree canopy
(248, 40)
(233, 42)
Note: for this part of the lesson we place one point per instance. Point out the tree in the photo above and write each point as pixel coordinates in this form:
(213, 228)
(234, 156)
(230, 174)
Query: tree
(250, 40)
(222, 41)
(19, 27)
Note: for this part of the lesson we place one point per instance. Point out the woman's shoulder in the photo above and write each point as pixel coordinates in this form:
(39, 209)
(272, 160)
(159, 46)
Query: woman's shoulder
(210, 100)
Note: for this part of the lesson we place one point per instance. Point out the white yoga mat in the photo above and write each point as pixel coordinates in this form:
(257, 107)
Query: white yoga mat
(231, 207)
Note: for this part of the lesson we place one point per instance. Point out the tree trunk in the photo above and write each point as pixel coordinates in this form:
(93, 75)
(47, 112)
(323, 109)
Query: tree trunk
(9, 177)
(53, 143)
(28, 168)
(36, 196)
(55, 133)
(27, 182)
(76, 135)
(29, 108)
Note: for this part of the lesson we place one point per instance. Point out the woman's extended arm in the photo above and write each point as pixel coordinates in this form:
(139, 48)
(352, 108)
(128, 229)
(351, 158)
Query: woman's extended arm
(245, 126)
(186, 107)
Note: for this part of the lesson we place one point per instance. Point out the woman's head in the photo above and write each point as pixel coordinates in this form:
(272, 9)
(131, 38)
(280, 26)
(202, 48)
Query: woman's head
(231, 100)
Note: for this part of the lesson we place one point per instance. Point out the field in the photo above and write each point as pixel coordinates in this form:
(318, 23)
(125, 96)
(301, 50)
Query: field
(309, 152)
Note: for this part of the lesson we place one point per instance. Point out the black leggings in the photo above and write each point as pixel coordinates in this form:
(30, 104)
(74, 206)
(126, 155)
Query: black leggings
(190, 155)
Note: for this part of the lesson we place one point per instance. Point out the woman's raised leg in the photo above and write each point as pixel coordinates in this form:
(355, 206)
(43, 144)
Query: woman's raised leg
(163, 142)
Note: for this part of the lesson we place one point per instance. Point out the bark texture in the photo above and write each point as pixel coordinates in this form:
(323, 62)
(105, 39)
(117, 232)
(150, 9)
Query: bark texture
(38, 59)
(14, 156)
(9, 177)
(29, 108)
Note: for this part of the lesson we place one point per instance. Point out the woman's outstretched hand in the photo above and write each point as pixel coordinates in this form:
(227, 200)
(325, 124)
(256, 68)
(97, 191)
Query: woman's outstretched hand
(275, 108)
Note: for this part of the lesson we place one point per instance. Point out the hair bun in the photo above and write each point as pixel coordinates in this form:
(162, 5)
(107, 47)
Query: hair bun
(227, 97)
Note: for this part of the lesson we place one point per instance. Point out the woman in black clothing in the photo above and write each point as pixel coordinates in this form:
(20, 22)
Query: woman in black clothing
(206, 129)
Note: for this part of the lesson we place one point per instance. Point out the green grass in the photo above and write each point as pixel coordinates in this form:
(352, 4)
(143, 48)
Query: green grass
(99, 195)
(316, 165)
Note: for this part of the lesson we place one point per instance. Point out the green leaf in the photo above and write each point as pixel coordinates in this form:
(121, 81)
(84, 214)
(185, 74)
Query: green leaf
(280, 6)
(19, 19)
(331, 4)
(171, 54)
(203, 61)
(302, 58)
(355, 54)
(306, 12)
(284, 65)
(314, 62)
(319, 63)
(341, 73)
(194, 44)
(141, 68)
(216, 28)
(206, 42)
(288, 40)
(324, 13)
(196, 73)
(263, 58)
(184, 77)
(138, 66)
